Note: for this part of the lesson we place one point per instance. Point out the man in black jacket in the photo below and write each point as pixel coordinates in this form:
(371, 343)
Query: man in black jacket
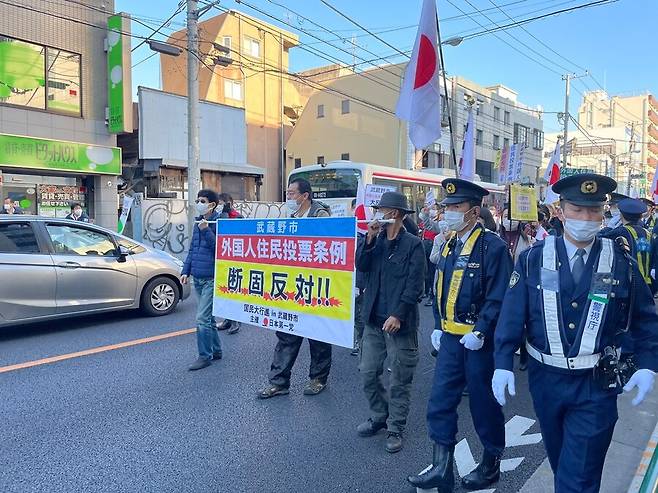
(394, 261)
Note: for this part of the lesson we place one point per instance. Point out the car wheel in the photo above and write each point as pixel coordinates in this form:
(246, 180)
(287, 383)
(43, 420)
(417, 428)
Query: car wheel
(160, 297)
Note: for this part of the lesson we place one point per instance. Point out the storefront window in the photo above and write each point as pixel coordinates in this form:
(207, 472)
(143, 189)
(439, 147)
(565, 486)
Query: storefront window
(39, 77)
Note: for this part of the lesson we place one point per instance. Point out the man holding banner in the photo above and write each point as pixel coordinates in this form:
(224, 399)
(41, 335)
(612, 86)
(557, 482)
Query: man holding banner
(300, 205)
(394, 262)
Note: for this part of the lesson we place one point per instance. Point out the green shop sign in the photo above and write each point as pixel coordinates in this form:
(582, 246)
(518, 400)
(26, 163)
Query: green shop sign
(119, 87)
(55, 155)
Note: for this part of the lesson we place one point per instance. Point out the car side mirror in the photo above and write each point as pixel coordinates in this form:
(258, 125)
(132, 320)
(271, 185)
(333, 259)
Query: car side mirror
(123, 254)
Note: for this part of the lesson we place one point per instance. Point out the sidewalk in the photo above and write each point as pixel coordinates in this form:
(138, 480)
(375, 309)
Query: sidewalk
(632, 433)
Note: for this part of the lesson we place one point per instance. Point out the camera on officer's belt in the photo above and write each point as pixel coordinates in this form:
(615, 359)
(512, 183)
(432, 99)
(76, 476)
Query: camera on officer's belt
(607, 370)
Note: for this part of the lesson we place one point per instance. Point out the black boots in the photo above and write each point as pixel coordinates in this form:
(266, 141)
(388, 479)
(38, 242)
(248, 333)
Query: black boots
(485, 474)
(441, 475)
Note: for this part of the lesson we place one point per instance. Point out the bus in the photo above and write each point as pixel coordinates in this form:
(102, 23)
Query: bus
(336, 182)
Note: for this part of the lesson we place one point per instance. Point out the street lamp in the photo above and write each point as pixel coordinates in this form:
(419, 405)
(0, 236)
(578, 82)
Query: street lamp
(164, 48)
(456, 41)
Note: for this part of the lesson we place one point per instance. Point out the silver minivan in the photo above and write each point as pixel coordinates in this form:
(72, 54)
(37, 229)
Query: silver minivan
(52, 268)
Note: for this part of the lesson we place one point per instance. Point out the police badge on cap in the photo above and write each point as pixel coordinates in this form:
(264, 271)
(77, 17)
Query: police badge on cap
(586, 189)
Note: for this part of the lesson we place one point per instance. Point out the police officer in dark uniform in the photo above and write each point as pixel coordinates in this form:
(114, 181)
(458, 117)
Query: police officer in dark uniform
(573, 297)
(614, 220)
(473, 272)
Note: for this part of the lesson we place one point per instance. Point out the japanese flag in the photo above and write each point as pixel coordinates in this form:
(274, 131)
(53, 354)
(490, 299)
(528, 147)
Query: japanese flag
(420, 97)
(361, 212)
(552, 175)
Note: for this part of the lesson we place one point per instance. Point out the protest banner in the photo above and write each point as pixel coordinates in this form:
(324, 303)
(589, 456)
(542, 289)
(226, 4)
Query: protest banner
(430, 199)
(125, 211)
(511, 164)
(502, 167)
(291, 275)
(374, 193)
(523, 201)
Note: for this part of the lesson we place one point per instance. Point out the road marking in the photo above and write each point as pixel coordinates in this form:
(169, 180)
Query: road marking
(96, 350)
(514, 436)
(515, 429)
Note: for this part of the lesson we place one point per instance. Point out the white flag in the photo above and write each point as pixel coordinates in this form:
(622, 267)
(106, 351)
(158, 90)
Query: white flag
(552, 175)
(467, 162)
(430, 199)
(420, 97)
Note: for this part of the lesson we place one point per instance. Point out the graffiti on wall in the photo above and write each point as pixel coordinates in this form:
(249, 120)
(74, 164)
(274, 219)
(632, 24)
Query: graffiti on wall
(164, 221)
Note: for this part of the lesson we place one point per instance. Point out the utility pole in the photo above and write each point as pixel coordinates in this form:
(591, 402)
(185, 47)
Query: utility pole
(193, 168)
(631, 148)
(565, 137)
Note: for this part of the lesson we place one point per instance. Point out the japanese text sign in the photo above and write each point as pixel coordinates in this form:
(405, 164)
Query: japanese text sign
(523, 202)
(291, 275)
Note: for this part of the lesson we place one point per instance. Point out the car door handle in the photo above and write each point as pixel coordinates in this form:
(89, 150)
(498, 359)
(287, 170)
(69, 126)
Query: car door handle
(69, 265)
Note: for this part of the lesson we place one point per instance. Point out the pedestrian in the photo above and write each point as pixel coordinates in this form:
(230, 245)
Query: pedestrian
(200, 265)
(227, 211)
(574, 296)
(615, 216)
(300, 204)
(9, 207)
(358, 300)
(429, 217)
(77, 214)
(474, 270)
(394, 262)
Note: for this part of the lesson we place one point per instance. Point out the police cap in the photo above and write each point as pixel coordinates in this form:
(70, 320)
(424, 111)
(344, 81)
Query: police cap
(632, 209)
(648, 202)
(586, 189)
(458, 191)
(615, 197)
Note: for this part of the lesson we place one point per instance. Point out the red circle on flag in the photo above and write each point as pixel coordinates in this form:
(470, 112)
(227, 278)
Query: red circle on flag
(426, 64)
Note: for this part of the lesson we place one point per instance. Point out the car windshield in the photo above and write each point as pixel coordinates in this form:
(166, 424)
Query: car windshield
(331, 183)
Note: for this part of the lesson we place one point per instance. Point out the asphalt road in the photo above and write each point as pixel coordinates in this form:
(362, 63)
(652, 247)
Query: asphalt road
(134, 419)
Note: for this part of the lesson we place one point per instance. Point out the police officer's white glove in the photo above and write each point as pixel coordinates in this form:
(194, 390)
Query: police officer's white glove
(472, 342)
(436, 338)
(502, 379)
(643, 380)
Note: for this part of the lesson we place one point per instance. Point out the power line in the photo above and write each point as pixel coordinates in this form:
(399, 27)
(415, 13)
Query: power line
(156, 31)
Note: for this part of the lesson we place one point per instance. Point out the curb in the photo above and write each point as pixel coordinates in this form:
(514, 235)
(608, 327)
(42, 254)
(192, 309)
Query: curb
(646, 476)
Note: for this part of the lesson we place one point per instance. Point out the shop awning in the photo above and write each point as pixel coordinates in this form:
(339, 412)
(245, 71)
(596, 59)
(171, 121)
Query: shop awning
(236, 168)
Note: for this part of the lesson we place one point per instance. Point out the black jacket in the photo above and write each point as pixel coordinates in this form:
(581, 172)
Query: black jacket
(397, 274)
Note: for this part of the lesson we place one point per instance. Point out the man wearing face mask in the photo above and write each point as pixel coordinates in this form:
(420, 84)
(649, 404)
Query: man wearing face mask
(77, 214)
(573, 298)
(200, 264)
(473, 272)
(299, 204)
(394, 262)
(9, 208)
(615, 216)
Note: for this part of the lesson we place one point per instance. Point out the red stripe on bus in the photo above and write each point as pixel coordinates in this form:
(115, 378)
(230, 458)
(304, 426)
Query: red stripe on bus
(398, 177)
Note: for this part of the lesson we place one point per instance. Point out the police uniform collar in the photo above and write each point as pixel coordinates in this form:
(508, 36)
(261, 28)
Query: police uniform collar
(468, 234)
(571, 248)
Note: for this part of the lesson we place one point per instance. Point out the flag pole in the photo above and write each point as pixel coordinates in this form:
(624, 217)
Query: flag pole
(445, 95)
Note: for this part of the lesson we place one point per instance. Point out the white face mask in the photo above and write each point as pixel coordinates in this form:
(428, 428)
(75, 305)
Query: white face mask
(455, 220)
(292, 206)
(7, 206)
(202, 208)
(615, 220)
(77, 212)
(581, 230)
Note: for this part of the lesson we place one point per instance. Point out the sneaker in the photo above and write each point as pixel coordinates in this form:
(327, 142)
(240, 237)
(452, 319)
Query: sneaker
(370, 428)
(429, 302)
(199, 364)
(393, 442)
(314, 387)
(225, 325)
(234, 328)
(217, 355)
(272, 391)
(355, 351)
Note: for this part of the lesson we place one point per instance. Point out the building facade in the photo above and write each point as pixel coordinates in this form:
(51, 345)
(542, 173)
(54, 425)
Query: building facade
(632, 123)
(55, 147)
(354, 119)
(256, 80)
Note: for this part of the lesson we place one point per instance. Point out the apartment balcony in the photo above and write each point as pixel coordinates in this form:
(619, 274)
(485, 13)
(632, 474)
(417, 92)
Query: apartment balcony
(653, 147)
(652, 162)
(653, 132)
(653, 116)
(653, 102)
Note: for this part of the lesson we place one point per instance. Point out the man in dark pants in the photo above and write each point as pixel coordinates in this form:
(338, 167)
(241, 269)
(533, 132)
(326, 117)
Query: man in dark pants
(473, 272)
(394, 262)
(299, 204)
(573, 297)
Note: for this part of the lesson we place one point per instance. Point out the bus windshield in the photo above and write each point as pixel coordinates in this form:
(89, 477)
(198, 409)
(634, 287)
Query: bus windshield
(331, 183)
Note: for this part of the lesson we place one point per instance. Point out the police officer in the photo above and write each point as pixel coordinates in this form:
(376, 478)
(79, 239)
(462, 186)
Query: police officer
(648, 219)
(573, 297)
(473, 271)
(614, 220)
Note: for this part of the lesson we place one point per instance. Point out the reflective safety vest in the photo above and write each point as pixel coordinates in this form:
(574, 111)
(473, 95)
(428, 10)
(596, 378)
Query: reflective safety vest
(449, 322)
(593, 316)
(643, 252)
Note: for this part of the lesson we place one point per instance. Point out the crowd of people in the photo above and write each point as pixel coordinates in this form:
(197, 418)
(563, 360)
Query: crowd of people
(572, 291)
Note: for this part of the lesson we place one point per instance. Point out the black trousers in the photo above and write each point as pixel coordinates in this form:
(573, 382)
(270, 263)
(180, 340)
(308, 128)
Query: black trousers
(285, 354)
(431, 268)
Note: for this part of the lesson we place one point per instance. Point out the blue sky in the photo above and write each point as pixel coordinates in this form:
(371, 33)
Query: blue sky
(612, 41)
